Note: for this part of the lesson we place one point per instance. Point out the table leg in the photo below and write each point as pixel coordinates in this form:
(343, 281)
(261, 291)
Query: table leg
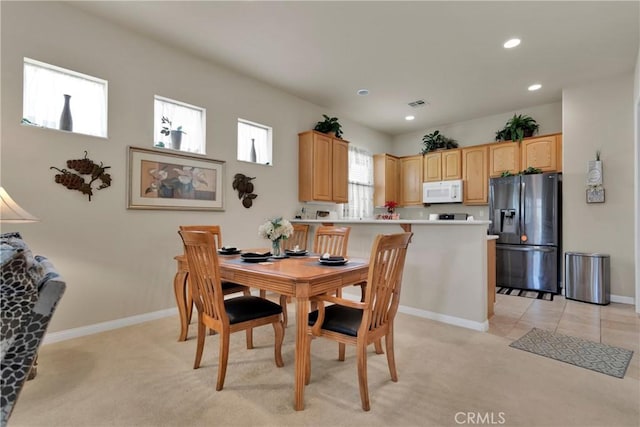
(302, 316)
(180, 289)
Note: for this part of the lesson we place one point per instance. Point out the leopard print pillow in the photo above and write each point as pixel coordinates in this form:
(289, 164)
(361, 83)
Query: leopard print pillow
(18, 295)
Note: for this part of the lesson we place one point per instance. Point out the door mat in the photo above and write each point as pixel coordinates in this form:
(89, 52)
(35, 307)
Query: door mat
(546, 296)
(586, 354)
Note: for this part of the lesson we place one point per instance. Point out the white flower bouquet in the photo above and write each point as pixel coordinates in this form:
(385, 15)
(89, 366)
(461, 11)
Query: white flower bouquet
(275, 229)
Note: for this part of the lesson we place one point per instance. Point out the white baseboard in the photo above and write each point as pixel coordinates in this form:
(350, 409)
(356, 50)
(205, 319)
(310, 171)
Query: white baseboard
(128, 321)
(107, 326)
(451, 320)
(622, 300)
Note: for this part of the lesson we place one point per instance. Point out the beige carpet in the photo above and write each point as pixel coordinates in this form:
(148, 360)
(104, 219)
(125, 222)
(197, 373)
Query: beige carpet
(141, 376)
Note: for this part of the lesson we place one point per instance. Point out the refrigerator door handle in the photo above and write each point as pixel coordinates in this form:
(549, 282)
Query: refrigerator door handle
(529, 248)
(523, 215)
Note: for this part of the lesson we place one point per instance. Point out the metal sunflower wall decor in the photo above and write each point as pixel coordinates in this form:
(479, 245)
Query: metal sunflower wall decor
(75, 180)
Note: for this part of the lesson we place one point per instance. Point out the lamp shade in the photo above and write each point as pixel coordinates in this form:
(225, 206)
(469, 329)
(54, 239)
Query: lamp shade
(11, 212)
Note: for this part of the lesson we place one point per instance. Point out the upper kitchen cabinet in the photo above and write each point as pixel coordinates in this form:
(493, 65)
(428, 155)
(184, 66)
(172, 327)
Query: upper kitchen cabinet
(475, 173)
(544, 153)
(442, 165)
(411, 181)
(386, 176)
(504, 157)
(323, 168)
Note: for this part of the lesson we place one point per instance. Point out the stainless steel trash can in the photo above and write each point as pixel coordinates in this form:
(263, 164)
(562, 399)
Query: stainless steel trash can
(587, 277)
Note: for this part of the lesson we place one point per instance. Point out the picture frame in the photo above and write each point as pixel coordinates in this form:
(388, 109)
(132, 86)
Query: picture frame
(595, 194)
(162, 179)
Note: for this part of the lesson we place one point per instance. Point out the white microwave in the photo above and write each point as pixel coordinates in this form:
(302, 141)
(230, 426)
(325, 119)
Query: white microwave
(442, 191)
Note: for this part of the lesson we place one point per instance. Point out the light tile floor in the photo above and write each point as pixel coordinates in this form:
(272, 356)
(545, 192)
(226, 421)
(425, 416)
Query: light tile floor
(614, 324)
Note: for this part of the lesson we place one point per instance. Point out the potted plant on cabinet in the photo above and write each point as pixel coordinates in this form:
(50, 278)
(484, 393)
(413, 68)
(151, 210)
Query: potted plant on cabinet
(329, 125)
(176, 134)
(437, 141)
(518, 127)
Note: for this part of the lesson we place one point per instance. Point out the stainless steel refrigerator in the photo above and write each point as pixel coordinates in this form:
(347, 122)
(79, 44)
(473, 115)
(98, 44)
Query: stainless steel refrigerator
(525, 212)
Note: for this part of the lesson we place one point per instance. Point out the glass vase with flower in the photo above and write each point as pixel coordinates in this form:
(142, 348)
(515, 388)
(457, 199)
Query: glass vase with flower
(276, 230)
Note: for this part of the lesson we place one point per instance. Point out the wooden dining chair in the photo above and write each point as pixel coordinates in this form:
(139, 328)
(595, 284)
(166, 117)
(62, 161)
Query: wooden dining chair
(224, 316)
(228, 288)
(366, 322)
(298, 238)
(332, 240)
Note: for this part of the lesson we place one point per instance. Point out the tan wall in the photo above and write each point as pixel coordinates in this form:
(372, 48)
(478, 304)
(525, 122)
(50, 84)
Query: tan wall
(119, 262)
(636, 98)
(481, 130)
(599, 116)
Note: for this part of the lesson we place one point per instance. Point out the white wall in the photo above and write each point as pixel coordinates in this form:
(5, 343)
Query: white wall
(599, 116)
(119, 262)
(636, 98)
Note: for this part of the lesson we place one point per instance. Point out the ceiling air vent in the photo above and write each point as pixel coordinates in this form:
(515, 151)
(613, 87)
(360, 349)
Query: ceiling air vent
(418, 103)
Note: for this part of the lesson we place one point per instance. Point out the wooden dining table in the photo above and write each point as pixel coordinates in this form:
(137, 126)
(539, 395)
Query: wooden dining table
(299, 277)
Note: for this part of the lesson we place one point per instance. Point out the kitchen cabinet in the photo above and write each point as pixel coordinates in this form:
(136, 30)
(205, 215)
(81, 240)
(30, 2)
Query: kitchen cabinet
(475, 174)
(543, 152)
(411, 181)
(386, 178)
(323, 168)
(504, 157)
(442, 165)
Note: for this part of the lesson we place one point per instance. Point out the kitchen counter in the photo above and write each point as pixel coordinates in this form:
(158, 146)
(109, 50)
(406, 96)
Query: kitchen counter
(392, 221)
(404, 223)
(445, 275)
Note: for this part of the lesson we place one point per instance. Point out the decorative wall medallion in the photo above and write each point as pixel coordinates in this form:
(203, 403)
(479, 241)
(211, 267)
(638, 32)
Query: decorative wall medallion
(244, 186)
(74, 180)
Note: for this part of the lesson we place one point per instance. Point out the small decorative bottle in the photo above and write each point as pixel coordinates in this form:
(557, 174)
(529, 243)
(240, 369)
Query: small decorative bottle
(66, 121)
(254, 158)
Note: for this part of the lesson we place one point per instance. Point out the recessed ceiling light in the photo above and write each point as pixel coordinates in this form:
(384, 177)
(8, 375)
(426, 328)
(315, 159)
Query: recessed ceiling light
(511, 43)
(409, 117)
(535, 87)
(363, 92)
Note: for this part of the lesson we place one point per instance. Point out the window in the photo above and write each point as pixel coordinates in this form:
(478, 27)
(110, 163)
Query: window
(179, 126)
(360, 184)
(45, 89)
(254, 142)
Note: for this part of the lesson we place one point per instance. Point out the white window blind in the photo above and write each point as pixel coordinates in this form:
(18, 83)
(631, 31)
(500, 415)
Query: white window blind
(360, 184)
(257, 137)
(44, 88)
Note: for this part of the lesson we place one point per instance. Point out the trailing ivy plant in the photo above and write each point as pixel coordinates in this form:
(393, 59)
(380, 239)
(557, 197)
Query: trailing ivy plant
(436, 141)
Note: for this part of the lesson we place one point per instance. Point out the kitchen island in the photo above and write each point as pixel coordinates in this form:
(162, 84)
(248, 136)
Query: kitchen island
(445, 273)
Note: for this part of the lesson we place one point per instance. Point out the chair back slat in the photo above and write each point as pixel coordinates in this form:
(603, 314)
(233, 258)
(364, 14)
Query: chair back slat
(384, 281)
(299, 237)
(213, 229)
(204, 273)
(332, 240)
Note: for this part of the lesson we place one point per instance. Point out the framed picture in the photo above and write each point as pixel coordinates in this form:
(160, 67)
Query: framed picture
(595, 194)
(159, 179)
